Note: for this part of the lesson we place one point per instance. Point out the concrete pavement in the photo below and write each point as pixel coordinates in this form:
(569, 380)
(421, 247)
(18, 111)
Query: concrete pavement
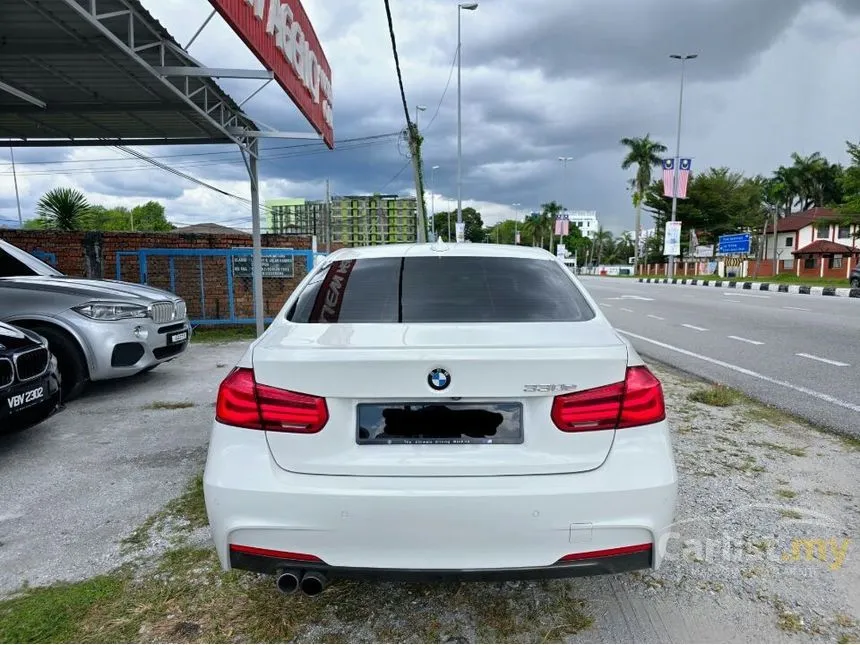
(789, 351)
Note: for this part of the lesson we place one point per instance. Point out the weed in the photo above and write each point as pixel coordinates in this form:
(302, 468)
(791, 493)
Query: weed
(168, 405)
(785, 493)
(715, 395)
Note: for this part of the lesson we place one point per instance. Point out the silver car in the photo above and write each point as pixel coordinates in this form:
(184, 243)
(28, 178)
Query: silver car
(97, 329)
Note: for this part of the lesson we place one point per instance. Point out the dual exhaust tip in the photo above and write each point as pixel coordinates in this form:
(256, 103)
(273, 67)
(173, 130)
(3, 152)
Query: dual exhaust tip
(310, 583)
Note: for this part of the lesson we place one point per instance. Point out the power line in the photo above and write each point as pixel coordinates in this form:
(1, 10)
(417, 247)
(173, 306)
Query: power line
(444, 92)
(197, 164)
(397, 62)
(385, 135)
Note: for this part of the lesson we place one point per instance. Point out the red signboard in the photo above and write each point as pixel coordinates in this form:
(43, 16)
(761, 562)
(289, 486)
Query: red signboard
(283, 39)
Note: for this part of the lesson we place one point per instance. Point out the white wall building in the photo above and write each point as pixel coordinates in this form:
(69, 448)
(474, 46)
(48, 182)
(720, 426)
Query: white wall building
(586, 221)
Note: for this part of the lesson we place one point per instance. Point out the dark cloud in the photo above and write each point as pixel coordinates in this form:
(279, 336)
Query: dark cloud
(624, 40)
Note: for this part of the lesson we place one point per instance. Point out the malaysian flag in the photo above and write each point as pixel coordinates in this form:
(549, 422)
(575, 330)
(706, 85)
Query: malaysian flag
(683, 177)
(668, 176)
(562, 224)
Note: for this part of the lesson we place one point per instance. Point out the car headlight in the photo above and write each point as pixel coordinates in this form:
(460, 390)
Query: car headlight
(112, 310)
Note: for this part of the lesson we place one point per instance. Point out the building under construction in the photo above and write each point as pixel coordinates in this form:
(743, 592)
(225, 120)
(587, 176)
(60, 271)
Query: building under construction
(354, 220)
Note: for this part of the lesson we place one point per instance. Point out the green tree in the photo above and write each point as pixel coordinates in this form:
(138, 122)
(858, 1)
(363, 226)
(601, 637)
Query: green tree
(471, 218)
(61, 209)
(603, 242)
(150, 217)
(644, 153)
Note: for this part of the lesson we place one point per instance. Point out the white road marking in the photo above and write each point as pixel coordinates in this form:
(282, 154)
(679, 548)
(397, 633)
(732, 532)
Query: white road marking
(747, 340)
(797, 308)
(656, 317)
(743, 295)
(693, 327)
(626, 309)
(605, 304)
(730, 300)
(637, 298)
(742, 370)
(823, 360)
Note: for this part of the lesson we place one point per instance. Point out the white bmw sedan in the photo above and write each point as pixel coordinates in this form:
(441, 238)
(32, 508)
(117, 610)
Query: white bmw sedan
(425, 411)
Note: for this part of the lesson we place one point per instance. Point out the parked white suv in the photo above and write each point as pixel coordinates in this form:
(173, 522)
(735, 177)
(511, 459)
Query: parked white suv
(422, 411)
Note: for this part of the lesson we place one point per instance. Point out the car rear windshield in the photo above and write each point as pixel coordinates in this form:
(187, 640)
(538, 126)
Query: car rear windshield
(441, 290)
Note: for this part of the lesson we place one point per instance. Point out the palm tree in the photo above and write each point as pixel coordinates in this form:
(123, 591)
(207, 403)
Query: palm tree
(603, 241)
(549, 213)
(645, 154)
(61, 209)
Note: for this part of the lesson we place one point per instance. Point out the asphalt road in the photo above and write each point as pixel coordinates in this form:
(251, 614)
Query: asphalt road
(799, 353)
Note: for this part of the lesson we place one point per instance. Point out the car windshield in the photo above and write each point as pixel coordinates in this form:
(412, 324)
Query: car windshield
(441, 290)
(14, 262)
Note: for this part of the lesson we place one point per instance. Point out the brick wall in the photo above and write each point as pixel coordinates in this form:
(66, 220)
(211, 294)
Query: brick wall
(93, 255)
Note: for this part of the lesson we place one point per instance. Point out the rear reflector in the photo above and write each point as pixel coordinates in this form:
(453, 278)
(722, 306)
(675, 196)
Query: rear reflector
(607, 553)
(244, 403)
(272, 553)
(637, 401)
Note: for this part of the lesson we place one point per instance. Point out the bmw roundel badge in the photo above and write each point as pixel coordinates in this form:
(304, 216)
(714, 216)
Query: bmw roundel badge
(438, 379)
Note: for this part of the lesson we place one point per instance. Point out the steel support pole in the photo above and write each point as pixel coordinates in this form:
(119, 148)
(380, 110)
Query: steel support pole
(677, 161)
(257, 253)
(459, 123)
(15, 180)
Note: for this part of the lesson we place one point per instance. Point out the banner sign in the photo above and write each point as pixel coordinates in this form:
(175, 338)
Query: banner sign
(281, 36)
(672, 240)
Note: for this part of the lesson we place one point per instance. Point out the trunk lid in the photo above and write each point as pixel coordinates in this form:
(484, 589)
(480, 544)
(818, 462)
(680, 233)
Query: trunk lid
(356, 364)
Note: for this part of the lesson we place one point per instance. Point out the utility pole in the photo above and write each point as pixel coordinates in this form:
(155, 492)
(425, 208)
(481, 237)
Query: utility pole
(15, 180)
(327, 216)
(468, 6)
(683, 58)
(775, 240)
(563, 161)
(433, 170)
(516, 206)
(415, 151)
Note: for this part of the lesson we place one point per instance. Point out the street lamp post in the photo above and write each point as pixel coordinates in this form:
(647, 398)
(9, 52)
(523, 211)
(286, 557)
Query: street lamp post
(683, 58)
(418, 108)
(433, 170)
(468, 6)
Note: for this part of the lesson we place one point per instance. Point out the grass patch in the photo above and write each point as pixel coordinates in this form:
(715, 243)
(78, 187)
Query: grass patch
(715, 395)
(168, 405)
(777, 447)
(785, 493)
(189, 509)
(223, 334)
(850, 443)
(54, 614)
(790, 514)
(788, 621)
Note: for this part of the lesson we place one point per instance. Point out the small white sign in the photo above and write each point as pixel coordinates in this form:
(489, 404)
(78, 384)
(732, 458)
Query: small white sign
(672, 240)
(461, 231)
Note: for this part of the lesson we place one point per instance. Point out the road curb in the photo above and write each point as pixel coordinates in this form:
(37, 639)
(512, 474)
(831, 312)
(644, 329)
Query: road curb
(841, 292)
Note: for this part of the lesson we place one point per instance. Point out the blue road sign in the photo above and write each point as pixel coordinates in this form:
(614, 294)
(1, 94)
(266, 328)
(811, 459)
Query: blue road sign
(738, 243)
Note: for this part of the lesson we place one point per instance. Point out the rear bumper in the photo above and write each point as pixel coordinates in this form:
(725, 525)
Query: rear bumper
(464, 527)
(598, 564)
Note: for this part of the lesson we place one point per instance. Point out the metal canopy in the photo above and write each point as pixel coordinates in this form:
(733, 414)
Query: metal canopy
(104, 72)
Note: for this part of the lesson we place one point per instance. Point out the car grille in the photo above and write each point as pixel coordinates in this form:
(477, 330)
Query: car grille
(162, 312)
(7, 373)
(165, 312)
(32, 363)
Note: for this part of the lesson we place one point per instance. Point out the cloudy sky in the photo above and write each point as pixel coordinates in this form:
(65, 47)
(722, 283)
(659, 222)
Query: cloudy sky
(541, 79)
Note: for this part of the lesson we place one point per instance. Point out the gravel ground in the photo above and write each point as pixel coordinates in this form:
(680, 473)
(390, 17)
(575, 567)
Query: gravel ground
(754, 486)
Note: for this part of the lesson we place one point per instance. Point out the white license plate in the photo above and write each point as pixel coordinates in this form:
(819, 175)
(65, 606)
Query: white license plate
(179, 337)
(25, 399)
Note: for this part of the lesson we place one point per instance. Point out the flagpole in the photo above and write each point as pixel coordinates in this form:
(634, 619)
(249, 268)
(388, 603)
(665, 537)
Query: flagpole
(683, 60)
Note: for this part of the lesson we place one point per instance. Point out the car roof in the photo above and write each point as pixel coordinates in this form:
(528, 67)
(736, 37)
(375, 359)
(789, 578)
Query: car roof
(441, 249)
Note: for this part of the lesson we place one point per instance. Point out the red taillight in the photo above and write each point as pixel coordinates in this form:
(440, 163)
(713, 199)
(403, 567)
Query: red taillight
(273, 553)
(607, 553)
(637, 401)
(243, 403)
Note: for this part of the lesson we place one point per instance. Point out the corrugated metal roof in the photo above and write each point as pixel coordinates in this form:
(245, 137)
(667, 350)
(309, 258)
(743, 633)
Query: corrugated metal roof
(91, 86)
